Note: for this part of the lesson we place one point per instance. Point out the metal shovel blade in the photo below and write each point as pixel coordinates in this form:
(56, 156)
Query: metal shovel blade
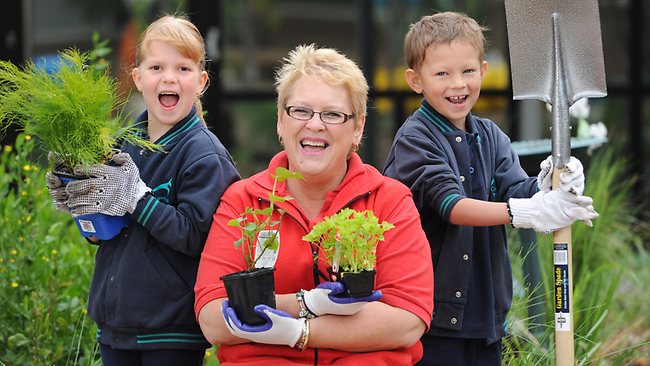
(531, 42)
(556, 56)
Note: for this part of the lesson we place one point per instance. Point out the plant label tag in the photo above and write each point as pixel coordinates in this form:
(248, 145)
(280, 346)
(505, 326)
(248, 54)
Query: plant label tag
(266, 255)
(87, 226)
(561, 275)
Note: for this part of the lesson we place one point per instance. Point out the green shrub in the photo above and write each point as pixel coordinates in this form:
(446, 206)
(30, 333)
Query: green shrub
(45, 270)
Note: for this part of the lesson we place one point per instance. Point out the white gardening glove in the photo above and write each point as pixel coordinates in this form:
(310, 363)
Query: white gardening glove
(572, 177)
(548, 211)
(113, 189)
(329, 298)
(57, 192)
(280, 327)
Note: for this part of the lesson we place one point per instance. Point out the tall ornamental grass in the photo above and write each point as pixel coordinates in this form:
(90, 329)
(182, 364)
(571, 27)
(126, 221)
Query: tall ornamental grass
(610, 270)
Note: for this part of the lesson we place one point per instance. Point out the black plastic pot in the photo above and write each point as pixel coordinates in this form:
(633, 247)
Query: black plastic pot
(357, 284)
(248, 288)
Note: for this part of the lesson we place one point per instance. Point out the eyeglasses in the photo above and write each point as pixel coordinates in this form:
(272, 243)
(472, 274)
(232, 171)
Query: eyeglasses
(329, 117)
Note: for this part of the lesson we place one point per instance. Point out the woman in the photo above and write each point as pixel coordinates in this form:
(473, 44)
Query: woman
(321, 115)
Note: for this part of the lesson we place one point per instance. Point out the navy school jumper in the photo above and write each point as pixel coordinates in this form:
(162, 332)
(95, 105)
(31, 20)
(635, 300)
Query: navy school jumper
(440, 164)
(142, 291)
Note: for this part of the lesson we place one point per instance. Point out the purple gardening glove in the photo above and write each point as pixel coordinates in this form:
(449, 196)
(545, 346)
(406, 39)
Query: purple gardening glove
(329, 298)
(280, 327)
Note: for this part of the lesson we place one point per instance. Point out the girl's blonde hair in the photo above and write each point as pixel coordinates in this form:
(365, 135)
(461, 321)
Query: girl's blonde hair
(328, 64)
(184, 36)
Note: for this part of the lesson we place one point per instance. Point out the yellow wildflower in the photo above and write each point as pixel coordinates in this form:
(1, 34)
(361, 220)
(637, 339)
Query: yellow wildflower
(14, 252)
(26, 167)
(28, 137)
(54, 252)
(7, 148)
(14, 284)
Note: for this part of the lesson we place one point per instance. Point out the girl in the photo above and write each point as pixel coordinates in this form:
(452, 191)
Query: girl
(141, 294)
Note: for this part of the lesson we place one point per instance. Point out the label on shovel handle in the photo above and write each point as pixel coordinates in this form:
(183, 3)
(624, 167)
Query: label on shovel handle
(561, 293)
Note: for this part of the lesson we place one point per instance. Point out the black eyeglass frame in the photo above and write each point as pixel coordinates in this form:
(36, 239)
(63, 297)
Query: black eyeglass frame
(320, 115)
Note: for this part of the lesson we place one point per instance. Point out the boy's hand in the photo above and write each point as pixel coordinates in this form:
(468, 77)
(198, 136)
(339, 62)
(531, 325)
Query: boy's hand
(572, 177)
(114, 190)
(551, 210)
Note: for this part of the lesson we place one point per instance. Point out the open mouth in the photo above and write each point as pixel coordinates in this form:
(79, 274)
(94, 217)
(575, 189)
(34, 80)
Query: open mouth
(313, 145)
(458, 99)
(168, 99)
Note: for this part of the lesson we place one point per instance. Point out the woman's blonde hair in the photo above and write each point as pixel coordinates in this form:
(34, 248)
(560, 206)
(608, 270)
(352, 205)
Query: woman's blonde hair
(183, 35)
(326, 63)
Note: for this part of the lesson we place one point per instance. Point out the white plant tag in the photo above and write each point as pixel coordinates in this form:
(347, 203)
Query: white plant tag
(267, 257)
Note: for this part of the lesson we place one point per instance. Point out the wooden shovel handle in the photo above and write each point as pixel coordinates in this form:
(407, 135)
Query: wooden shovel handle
(563, 294)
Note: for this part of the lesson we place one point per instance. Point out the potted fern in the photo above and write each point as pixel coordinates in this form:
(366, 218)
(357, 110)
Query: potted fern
(348, 240)
(75, 113)
(255, 284)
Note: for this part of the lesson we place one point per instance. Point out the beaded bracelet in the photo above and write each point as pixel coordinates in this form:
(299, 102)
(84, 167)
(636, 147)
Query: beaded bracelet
(304, 312)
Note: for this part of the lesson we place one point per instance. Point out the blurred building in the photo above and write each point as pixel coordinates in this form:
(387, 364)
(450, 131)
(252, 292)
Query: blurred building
(247, 39)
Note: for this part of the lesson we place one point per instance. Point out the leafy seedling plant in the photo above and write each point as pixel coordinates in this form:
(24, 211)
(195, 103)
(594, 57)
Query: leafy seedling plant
(75, 111)
(349, 239)
(254, 220)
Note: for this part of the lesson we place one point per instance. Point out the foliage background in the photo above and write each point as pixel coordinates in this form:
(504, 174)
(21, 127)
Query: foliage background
(46, 266)
(610, 269)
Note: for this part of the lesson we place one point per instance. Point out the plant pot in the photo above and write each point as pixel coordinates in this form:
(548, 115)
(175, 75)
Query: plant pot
(248, 288)
(357, 284)
(101, 226)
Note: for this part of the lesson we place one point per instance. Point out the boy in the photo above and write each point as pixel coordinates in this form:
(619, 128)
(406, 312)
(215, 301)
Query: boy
(467, 184)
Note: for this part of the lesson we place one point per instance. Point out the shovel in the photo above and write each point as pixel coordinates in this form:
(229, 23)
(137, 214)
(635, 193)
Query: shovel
(556, 56)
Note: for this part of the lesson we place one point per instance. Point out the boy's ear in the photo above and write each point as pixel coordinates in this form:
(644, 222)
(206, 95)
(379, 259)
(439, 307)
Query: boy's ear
(484, 67)
(413, 79)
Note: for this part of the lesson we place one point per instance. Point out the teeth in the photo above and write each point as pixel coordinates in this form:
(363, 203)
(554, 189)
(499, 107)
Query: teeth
(456, 99)
(168, 93)
(313, 143)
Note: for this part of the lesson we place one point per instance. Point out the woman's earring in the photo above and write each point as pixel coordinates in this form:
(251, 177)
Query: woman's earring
(280, 140)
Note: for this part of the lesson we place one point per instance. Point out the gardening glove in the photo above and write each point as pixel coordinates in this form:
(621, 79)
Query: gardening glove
(280, 327)
(572, 177)
(329, 298)
(57, 192)
(113, 189)
(548, 211)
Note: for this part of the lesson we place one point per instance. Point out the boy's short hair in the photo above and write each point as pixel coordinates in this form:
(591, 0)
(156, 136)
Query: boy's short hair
(441, 28)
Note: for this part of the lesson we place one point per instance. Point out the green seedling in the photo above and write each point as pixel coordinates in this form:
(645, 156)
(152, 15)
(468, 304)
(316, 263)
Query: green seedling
(253, 220)
(350, 238)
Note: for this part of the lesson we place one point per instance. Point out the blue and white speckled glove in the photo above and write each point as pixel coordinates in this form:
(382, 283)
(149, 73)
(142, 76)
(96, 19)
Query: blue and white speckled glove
(114, 189)
(572, 177)
(57, 192)
(329, 298)
(280, 327)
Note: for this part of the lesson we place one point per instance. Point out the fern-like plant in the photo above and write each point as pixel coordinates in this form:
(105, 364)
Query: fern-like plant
(75, 112)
